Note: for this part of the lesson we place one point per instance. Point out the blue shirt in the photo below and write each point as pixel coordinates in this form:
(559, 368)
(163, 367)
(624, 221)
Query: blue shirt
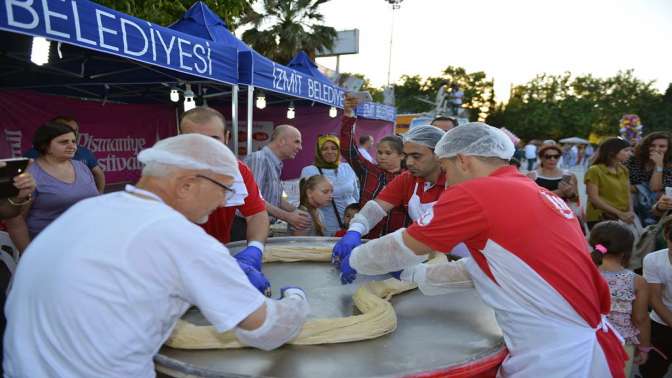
(82, 154)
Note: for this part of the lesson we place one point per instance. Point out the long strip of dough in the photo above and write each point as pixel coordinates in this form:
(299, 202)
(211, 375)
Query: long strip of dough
(377, 316)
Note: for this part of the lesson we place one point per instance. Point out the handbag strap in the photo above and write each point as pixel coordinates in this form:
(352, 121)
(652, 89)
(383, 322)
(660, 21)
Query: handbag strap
(333, 204)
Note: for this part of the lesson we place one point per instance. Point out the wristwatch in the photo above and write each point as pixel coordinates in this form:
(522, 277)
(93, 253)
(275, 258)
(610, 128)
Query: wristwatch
(659, 169)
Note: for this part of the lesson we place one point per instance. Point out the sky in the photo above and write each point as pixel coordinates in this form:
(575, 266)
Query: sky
(510, 40)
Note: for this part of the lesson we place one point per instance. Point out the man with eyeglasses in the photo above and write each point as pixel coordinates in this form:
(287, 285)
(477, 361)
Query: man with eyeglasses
(101, 301)
(247, 200)
(417, 189)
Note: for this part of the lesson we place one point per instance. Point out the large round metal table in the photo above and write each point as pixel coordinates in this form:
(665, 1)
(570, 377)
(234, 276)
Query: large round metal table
(444, 335)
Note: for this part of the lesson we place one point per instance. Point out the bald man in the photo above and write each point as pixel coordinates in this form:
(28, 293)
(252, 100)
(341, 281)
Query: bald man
(266, 165)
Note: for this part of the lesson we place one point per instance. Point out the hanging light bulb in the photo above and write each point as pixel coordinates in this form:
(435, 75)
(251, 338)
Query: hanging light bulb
(333, 112)
(261, 100)
(174, 95)
(290, 111)
(40, 51)
(189, 102)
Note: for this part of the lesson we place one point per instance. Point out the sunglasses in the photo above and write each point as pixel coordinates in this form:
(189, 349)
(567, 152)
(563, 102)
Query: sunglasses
(228, 191)
(548, 157)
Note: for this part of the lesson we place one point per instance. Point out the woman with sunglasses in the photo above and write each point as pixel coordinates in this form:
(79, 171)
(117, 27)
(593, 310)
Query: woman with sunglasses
(342, 176)
(608, 185)
(561, 182)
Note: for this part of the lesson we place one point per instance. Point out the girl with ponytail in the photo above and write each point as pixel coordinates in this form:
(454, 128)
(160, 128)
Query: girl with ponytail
(314, 193)
(612, 243)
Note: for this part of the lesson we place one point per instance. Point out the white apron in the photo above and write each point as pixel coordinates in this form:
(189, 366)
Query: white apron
(545, 336)
(416, 209)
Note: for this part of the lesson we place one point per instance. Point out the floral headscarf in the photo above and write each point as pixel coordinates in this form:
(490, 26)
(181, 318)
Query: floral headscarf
(319, 160)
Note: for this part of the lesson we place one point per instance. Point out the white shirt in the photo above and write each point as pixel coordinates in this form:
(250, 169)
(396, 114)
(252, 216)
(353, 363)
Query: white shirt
(99, 291)
(530, 151)
(658, 270)
(346, 191)
(366, 154)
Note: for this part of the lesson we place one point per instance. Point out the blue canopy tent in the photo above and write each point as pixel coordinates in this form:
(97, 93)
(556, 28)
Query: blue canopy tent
(255, 70)
(106, 55)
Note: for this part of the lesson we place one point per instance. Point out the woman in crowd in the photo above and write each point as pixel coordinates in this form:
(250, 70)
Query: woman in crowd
(549, 175)
(374, 177)
(342, 177)
(651, 163)
(650, 172)
(314, 194)
(607, 184)
(612, 245)
(61, 182)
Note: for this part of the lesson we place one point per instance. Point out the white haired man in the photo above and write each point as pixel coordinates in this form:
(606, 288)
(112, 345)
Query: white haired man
(101, 301)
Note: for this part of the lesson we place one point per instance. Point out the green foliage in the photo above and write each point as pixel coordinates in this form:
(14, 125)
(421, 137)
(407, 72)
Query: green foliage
(479, 93)
(285, 27)
(165, 12)
(557, 106)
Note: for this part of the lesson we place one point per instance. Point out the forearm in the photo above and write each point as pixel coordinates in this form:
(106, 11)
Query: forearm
(18, 232)
(99, 178)
(643, 324)
(277, 212)
(7, 210)
(601, 204)
(257, 227)
(656, 182)
(284, 205)
(662, 310)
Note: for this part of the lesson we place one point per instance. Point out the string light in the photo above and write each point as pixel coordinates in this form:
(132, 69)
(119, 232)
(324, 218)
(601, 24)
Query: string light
(333, 112)
(189, 102)
(174, 95)
(290, 111)
(261, 101)
(40, 51)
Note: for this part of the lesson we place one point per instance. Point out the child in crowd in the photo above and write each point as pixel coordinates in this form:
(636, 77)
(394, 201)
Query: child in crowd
(348, 213)
(658, 272)
(314, 192)
(612, 245)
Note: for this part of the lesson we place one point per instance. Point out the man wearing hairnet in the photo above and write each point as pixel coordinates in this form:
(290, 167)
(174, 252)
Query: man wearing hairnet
(417, 189)
(100, 301)
(528, 260)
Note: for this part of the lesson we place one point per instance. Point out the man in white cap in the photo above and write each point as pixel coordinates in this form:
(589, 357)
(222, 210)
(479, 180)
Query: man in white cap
(416, 189)
(528, 260)
(100, 290)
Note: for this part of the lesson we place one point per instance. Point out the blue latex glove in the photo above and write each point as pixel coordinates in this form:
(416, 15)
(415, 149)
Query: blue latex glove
(348, 242)
(348, 273)
(250, 256)
(257, 279)
(396, 274)
(289, 289)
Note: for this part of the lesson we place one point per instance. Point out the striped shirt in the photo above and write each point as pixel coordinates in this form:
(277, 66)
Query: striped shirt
(266, 168)
(372, 180)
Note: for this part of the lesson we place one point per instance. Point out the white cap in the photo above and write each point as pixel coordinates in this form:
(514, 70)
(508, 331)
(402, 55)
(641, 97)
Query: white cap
(192, 151)
(426, 135)
(475, 139)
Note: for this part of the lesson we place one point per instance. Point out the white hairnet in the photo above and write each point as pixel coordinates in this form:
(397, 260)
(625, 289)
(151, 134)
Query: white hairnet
(475, 139)
(426, 135)
(192, 151)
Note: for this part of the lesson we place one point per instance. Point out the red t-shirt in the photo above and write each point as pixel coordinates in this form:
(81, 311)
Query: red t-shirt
(400, 190)
(220, 221)
(512, 211)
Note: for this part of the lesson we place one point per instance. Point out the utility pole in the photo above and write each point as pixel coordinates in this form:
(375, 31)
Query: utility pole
(396, 4)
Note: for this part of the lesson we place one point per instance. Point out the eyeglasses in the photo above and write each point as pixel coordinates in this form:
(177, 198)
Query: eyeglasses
(228, 191)
(549, 157)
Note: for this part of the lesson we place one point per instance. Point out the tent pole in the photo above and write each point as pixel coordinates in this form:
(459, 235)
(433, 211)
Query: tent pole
(234, 117)
(250, 109)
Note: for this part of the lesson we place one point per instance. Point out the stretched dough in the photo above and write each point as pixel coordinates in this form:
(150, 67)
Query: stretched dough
(377, 316)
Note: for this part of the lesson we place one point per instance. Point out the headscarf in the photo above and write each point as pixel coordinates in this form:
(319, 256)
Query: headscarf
(319, 160)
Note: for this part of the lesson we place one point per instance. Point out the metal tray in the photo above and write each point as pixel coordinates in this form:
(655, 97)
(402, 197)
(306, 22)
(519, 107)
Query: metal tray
(433, 333)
